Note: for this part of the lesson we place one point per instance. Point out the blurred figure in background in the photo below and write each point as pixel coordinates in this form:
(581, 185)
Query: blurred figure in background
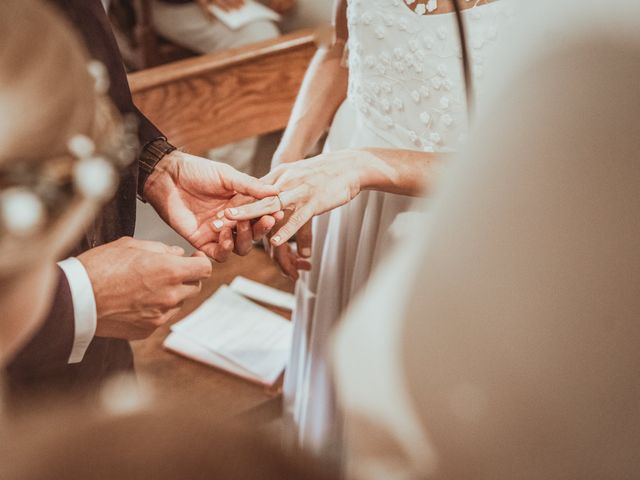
(162, 443)
(191, 24)
(308, 14)
(49, 191)
(115, 288)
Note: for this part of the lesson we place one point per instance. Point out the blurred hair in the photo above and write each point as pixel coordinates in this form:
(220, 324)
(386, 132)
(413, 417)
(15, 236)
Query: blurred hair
(46, 92)
(47, 96)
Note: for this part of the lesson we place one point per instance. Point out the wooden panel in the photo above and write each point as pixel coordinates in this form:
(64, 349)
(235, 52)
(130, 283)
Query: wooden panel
(174, 377)
(220, 98)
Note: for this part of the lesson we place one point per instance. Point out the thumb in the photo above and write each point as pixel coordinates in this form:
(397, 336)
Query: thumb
(248, 185)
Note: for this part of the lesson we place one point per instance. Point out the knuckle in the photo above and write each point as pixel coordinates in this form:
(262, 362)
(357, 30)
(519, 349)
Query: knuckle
(169, 300)
(173, 277)
(176, 273)
(207, 268)
(192, 292)
(126, 240)
(158, 321)
(298, 217)
(287, 230)
(220, 257)
(281, 168)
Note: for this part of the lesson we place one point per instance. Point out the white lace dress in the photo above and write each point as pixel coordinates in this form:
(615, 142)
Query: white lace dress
(405, 91)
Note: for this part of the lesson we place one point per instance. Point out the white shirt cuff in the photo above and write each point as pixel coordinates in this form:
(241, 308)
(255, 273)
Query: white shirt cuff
(84, 307)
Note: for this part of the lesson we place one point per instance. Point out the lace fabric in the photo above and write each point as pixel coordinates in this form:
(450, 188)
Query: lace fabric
(405, 69)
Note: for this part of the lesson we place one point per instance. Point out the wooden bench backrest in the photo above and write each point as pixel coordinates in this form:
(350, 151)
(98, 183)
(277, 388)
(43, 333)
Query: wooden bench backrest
(220, 98)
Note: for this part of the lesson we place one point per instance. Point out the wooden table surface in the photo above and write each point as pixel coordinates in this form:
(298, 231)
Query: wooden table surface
(172, 375)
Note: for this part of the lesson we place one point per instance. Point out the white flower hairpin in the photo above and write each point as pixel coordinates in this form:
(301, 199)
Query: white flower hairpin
(30, 194)
(100, 76)
(21, 211)
(94, 177)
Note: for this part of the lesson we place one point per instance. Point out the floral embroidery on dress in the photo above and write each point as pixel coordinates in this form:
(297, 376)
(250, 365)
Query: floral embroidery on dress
(405, 69)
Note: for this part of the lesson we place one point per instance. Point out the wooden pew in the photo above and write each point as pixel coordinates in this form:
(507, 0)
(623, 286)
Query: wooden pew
(202, 103)
(220, 98)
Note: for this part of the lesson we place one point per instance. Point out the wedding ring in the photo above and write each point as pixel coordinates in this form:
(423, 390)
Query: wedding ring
(280, 201)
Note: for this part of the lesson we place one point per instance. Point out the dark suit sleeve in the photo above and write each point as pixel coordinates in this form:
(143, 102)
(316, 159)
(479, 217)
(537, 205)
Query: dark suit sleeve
(92, 23)
(51, 346)
(90, 20)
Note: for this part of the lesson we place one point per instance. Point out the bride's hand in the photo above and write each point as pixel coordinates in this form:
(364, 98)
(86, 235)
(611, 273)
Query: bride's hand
(307, 188)
(289, 260)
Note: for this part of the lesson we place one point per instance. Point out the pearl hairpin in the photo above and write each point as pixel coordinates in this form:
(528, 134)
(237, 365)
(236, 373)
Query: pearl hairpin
(29, 195)
(81, 146)
(100, 76)
(22, 211)
(94, 177)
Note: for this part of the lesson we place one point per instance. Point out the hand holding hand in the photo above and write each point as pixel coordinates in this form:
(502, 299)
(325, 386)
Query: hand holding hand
(188, 191)
(307, 188)
(140, 285)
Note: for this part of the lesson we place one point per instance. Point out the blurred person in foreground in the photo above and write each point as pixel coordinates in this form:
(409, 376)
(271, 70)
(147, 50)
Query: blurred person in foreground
(59, 154)
(114, 288)
(192, 24)
(159, 441)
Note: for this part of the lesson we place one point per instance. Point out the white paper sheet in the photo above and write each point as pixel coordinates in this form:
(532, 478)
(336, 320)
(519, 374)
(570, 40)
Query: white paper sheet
(183, 345)
(263, 293)
(240, 17)
(246, 334)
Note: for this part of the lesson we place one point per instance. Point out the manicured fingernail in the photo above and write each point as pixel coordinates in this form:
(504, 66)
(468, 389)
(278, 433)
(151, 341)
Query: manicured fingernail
(276, 239)
(218, 224)
(220, 214)
(306, 252)
(233, 211)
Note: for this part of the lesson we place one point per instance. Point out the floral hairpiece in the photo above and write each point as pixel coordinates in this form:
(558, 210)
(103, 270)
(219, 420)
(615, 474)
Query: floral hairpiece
(32, 193)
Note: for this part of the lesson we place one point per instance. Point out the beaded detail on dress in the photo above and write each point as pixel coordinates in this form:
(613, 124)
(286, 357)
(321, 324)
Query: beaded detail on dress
(405, 70)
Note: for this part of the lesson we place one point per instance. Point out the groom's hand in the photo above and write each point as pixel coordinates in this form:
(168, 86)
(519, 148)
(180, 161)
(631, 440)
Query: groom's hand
(189, 191)
(140, 285)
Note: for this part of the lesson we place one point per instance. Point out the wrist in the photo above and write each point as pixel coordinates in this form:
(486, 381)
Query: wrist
(286, 154)
(365, 169)
(162, 177)
(152, 153)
